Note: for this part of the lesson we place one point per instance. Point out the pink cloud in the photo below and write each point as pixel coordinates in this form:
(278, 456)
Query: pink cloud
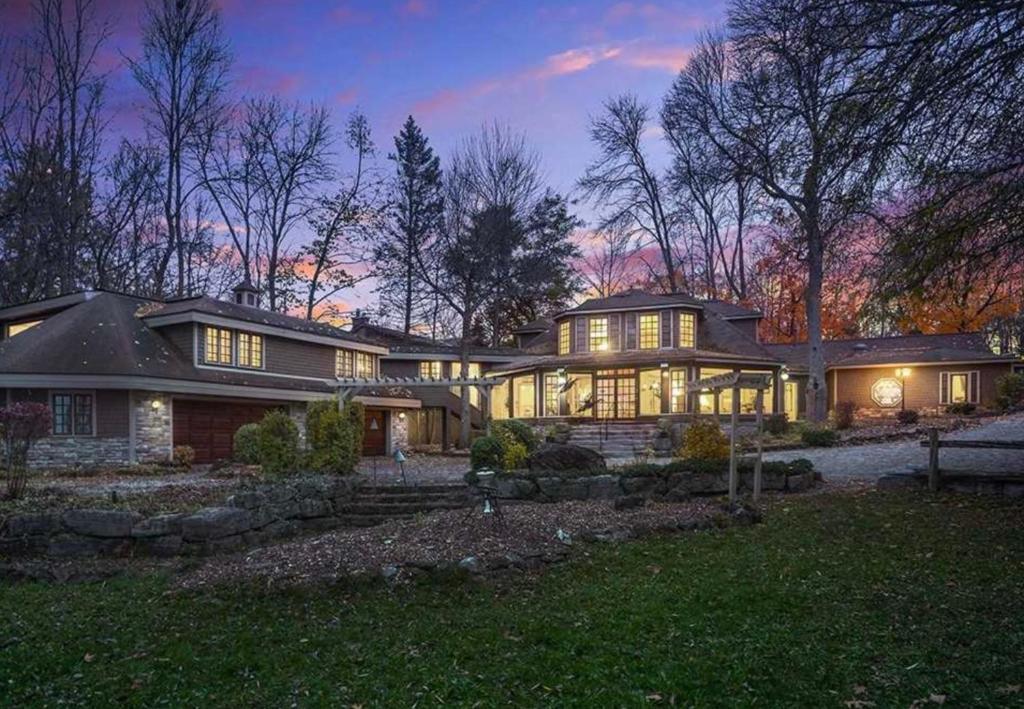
(652, 14)
(670, 59)
(414, 8)
(346, 97)
(260, 79)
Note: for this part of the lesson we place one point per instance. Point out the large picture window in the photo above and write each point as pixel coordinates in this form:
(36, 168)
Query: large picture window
(687, 330)
(523, 397)
(598, 334)
(579, 397)
(959, 387)
(650, 331)
(563, 337)
(250, 350)
(72, 414)
(218, 346)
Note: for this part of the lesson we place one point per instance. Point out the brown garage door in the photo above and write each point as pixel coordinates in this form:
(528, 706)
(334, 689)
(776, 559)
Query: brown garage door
(209, 426)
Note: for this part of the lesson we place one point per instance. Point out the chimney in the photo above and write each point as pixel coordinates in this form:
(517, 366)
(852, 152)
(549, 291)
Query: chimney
(359, 319)
(245, 293)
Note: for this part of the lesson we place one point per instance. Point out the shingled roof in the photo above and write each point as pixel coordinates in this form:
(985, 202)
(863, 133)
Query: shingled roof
(632, 299)
(400, 342)
(104, 336)
(731, 311)
(902, 349)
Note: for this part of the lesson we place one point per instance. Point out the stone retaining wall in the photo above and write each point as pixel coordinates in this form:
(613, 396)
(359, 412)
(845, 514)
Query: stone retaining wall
(979, 483)
(246, 519)
(675, 486)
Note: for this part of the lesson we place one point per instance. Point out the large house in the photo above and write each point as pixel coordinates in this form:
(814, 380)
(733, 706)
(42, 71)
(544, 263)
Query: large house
(128, 379)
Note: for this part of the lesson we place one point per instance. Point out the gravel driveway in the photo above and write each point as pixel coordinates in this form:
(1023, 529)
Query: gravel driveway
(872, 460)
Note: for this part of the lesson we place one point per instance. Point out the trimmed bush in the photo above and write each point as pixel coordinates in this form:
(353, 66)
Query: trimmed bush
(961, 409)
(486, 452)
(704, 440)
(819, 437)
(1010, 392)
(512, 430)
(353, 417)
(844, 414)
(247, 444)
(908, 417)
(335, 437)
(278, 444)
(184, 456)
(777, 424)
(513, 456)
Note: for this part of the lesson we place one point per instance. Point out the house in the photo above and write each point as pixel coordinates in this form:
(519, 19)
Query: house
(127, 378)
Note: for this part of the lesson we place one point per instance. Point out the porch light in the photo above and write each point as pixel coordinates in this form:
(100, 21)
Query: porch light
(664, 365)
(401, 416)
(155, 404)
(903, 372)
(784, 375)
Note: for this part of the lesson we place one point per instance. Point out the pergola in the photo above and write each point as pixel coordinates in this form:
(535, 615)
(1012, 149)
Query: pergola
(736, 381)
(351, 386)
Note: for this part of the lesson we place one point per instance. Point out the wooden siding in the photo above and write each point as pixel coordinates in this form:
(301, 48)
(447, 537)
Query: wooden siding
(302, 359)
(112, 412)
(666, 327)
(922, 386)
(631, 332)
(182, 336)
(581, 330)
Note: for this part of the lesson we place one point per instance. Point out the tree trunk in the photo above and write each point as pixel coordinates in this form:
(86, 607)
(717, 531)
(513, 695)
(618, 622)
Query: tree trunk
(817, 400)
(466, 423)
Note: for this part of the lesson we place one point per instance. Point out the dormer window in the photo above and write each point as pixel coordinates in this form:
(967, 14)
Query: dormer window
(650, 331)
(563, 337)
(598, 334)
(687, 330)
(218, 346)
(20, 327)
(344, 364)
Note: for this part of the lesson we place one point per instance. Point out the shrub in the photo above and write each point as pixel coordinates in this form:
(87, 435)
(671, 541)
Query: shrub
(247, 444)
(486, 452)
(353, 416)
(704, 440)
(513, 430)
(558, 433)
(335, 437)
(961, 409)
(1010, 392)
(21, 425)
(818, 437)
(278, 444)
(777, 424)
(184, 456)
(844, 414)
(513, 456)
(907, 417)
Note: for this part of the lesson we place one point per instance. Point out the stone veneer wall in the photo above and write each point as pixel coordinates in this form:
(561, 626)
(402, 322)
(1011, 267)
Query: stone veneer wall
(69, 452)
(153, 426)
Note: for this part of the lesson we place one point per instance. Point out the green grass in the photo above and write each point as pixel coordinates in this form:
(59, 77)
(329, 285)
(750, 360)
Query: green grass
(880, 598)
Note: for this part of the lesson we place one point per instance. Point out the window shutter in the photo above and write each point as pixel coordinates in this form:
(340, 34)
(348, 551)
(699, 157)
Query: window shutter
(631, 331)
(974, 386)
(943, 388)
(613, 332)
(666, 328)
(581, 334)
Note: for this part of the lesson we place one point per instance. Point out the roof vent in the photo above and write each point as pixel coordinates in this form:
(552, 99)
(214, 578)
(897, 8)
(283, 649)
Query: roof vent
(359, 319)
(861, 347)
(245, 293)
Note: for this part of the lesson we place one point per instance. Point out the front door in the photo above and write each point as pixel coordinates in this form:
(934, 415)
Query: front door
(791, 405)
(374, 439)
(616, 394)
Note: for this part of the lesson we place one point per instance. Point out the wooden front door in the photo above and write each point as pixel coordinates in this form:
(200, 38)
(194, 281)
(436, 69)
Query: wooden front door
(209, 426)
(374, 438)
(615, 396)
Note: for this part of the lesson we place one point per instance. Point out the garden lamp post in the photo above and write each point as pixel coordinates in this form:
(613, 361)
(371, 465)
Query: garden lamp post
(902, 373)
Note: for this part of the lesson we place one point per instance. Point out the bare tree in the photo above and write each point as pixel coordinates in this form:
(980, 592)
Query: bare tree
(607, 268)
(624, 185)
(182, 72)
(293, 162)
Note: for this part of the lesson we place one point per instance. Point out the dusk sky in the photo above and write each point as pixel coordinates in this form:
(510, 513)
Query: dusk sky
(542, 67)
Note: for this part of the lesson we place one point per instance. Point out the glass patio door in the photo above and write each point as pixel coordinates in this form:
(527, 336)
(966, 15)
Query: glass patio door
(791, 405)
(616, 394)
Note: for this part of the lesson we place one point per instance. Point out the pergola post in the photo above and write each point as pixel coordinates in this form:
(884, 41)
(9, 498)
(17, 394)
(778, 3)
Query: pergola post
(485, 408)
(735, 424)
(759, 406)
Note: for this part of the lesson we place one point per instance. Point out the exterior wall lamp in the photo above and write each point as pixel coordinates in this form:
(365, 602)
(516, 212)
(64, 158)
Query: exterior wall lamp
(784, 374)
(155, 404)
(902, 373)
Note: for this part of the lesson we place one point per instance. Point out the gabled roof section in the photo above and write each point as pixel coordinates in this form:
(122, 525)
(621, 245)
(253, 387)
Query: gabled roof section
(399, 343)
(46, 306)
(538, 325)
(206, 309)
(634, 300)
(901, 349)
(731, 311)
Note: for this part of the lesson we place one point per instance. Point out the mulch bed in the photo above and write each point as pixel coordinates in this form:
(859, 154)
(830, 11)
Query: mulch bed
(441, 540)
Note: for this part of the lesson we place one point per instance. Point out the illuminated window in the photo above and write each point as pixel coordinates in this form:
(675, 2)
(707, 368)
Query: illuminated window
(343, 363)
(364, 364)
(72, 414)
(523, 405)
(958, 388)
(598, 334)
(250, 350)
(551, 387)
(678, 391)
(563, 337)
(748, 398)
(707, 399)
(17, 328)
(650, 331)
(687, 330)
(579, 397)
(430, 370)
(499, 401)
(218, 345)
(650, 392)
(474, 373)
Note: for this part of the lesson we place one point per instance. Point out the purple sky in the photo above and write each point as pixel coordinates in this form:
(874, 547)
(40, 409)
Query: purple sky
(542, 67)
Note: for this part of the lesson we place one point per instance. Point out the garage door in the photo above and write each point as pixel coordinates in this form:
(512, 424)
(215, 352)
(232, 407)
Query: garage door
(209, 426)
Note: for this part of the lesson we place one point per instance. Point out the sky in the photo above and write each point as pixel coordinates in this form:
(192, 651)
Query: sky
(540, 66)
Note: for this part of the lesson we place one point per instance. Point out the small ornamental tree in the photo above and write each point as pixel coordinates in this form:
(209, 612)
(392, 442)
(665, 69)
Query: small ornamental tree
(335, 437)
(278, 444)
(704, 440)
(21, 425)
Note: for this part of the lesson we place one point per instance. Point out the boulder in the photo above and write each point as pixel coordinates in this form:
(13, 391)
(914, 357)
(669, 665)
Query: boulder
(558, 489)
(558, 457)
(629, 502)
(800, 481)
(515, 488)
(215, 523)
(100, 523)
(71, 545)
(32, 524)
(471, 564)
(246, 500)
(602, 487)
(158, 526)
(641, 484)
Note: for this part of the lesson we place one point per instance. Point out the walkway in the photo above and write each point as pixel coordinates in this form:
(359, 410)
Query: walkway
(867, 462)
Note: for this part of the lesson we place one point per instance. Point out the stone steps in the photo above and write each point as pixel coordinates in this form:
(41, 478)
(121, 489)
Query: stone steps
(376, 504)
(396, 508)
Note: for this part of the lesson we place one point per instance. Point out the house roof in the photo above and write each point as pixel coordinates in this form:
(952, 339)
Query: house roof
(244, 313)
(104, 336)
(538, 325)
(404, 343)
(731, 311)
(633, 299)
(902, 349)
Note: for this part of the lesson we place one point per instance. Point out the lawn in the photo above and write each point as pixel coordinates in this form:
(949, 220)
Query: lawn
(870, 599)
